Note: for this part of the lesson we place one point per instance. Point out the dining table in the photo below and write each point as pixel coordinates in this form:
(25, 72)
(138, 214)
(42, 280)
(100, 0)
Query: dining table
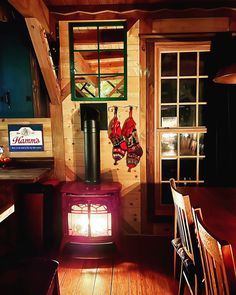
(10, 178)
(218, 206)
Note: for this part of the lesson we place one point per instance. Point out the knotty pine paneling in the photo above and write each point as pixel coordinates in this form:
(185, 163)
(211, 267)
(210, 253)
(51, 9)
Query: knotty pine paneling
(73, 136)
(47, 137)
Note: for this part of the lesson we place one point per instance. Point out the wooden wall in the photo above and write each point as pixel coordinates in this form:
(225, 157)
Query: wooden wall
(73, 136)
(47, 136)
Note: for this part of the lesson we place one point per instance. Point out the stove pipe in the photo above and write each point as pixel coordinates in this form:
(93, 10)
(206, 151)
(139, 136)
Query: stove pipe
(92, 146)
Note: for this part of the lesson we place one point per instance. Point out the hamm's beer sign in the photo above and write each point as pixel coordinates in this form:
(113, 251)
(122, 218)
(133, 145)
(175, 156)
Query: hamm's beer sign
(25, 138)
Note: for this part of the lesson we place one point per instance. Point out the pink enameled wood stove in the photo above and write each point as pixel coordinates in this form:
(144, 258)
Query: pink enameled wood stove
(91, 209)
(90, 213)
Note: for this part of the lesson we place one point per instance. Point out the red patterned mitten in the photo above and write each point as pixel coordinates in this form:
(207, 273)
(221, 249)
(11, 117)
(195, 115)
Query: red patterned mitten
(135, 151)
(117, 139)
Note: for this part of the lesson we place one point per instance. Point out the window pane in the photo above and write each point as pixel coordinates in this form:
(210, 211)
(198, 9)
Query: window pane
(169, 144)
(84, 87)
(111, 86)
(188, 169)
(169, 169)
(188, 64)
(111, 37)
(169, 116)
(166, 196)
(187, 115)
(187, 90)
(85, 38)
(168, 90)
(111, 62)
(202, 169)
(168, 64)
(201, 144)
(86, 62)
(202, 89)
(202, 115)
(188, 144)
(203, 65)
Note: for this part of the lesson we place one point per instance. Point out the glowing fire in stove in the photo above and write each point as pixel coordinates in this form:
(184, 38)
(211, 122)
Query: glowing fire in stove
(89, 220)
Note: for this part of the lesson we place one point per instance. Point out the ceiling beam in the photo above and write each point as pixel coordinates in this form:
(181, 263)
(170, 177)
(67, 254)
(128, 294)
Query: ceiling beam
(33, 9)
(41, 47)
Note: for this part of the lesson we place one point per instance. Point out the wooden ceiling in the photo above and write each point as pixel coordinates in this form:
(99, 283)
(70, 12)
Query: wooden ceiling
(53, 4)
(69, 6)
(138, 9)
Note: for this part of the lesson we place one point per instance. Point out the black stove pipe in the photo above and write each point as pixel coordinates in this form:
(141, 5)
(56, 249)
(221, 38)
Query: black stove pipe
(92, 146)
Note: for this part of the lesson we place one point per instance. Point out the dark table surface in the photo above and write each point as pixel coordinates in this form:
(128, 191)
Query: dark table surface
(218, 205)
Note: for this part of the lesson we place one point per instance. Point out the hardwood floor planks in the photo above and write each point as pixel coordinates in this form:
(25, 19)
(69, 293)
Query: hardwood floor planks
(104, 277)
(69, 275)
(135, 271)
(113, 277)
(120, 279)
(87, 277)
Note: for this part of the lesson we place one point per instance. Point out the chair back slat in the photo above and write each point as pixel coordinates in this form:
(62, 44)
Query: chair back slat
(185, 221)
(184, 231)
(217, 260)
(186, 246)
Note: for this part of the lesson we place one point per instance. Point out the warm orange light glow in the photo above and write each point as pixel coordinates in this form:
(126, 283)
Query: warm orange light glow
(100, 224)
(89, 221)
(78, 224)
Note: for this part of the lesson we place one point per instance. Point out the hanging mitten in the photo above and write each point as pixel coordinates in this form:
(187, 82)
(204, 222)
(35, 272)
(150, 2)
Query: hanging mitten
(134, 152)
(117, 139)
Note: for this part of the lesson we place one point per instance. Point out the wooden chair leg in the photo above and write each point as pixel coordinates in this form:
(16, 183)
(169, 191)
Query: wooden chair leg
(56, 289)
(175, 261)
(198, 289)
(181, 280)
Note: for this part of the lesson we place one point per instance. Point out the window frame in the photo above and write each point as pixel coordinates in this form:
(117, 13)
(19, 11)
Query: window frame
(167, 47)
(72, 63)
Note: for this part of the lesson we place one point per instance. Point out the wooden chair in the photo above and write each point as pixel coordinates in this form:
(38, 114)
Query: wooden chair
(185, 243)
(217, 260)
(29, 276)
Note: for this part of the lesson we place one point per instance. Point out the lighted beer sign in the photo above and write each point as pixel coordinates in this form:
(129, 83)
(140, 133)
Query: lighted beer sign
(25, 137)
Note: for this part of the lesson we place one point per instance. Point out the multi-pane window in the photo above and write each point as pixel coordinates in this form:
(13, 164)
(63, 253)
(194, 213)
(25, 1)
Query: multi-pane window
(180, 98)
(98, 60)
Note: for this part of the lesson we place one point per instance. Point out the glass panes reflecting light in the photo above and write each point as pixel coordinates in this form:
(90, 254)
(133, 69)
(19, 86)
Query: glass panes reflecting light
(182, 92)
(201, 144)
(169, 144)
(182, 156)
(188, 144)
(169, 116)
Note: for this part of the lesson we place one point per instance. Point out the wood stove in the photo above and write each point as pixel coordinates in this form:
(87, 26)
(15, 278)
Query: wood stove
(90, 209)
(90, 213)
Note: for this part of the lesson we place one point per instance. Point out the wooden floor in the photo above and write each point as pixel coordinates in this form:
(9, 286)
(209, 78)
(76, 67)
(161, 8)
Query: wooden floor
(143, 266)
